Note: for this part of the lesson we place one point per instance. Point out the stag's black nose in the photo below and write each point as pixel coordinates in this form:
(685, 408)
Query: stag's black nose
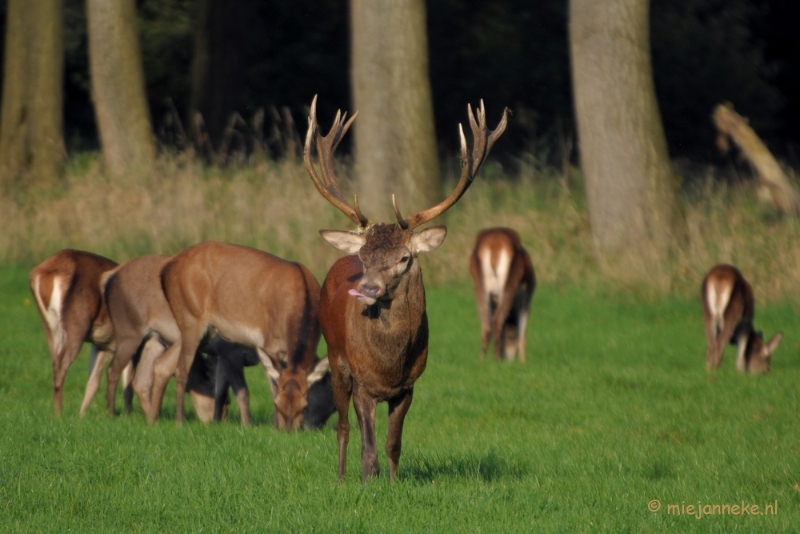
(372, 291)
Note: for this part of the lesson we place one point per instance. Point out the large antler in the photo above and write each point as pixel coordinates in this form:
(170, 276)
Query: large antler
(483, 139)
(329, 185)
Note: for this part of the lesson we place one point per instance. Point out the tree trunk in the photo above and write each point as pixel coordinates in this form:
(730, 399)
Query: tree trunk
(630, 189)
(395, 143)
(217, 70)
(118, 89)
(31, 128)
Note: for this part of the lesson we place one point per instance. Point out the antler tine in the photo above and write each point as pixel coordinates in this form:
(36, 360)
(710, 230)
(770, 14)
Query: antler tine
(328, 186)
(400, 220)
(482, 141)
(493, 135)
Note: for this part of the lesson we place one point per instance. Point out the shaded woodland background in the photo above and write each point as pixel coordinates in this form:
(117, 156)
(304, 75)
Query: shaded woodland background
(611, 130)
(275, 55)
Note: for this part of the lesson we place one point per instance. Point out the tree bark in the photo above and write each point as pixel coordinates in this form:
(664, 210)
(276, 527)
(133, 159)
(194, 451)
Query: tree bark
(217, 70)
(118, 89)
(31, 127)
(395, 143)
(630, 189)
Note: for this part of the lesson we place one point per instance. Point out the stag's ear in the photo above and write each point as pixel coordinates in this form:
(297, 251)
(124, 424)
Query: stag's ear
(428, 239)
(774, 342)
(349, 242)
(318, 371)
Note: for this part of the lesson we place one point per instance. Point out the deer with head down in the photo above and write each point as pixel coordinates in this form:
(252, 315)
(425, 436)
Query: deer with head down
(728, 310)
(254, 299)
(504, 281)
(372, 305)
(66, 290)
(145, 329)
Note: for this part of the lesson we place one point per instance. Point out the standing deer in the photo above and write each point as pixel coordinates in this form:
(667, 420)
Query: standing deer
(372, 305)
(728, 310)
(66, 290)
(504, 281)
(143, 324)
(254, 299)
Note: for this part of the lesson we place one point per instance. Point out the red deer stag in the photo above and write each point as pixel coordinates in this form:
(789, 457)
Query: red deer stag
(254, 299)
(504, 281)
(728, 310)
(372, 308)
(66, 290)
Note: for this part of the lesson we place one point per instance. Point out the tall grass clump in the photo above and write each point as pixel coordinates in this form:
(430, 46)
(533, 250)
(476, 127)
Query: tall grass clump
(272, 205)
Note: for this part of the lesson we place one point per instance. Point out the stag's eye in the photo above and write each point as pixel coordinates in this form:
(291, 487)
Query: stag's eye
(404, 259)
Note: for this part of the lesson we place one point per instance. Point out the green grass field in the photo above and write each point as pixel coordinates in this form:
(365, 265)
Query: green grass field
(613, 413)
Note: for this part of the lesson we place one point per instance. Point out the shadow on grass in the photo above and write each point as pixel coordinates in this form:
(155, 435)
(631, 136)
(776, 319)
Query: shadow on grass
(488, 467)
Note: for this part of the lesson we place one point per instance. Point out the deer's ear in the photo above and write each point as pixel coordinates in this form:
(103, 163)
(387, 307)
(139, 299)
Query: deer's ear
(428, 239)
(318, 371)
(774, 342)
(349, 242)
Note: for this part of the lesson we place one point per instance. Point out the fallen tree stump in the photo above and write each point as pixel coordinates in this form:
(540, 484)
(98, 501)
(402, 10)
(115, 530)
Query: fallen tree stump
(776, 185)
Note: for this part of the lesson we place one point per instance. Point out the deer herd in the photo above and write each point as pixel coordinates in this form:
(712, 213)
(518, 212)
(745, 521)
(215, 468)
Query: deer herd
(204, 314)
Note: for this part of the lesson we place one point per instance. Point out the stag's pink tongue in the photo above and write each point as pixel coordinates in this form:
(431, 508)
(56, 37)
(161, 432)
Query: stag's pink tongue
(360, 296)
(355, 293)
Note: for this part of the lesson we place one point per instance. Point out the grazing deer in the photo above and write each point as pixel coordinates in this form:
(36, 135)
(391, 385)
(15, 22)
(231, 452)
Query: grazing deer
(223, 368)
(254, 299)
(208, 381)
(142, 318)
(504, 281)
(320, 404)
(728, 310)
(372, 307)
(65, 288)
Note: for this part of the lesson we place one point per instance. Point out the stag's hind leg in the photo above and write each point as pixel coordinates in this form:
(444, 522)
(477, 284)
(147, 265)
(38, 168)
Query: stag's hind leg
(398, 408)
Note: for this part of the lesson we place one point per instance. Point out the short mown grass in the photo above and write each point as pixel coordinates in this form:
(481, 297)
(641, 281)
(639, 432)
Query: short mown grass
(613, 411)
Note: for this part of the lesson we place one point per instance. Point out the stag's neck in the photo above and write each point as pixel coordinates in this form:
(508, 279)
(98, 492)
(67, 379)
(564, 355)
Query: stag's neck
(398, 323)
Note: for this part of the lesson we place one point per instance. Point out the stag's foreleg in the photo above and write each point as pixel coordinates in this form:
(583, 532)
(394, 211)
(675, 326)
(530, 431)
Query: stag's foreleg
(342, 385)
(365, 406)
(398, 408)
